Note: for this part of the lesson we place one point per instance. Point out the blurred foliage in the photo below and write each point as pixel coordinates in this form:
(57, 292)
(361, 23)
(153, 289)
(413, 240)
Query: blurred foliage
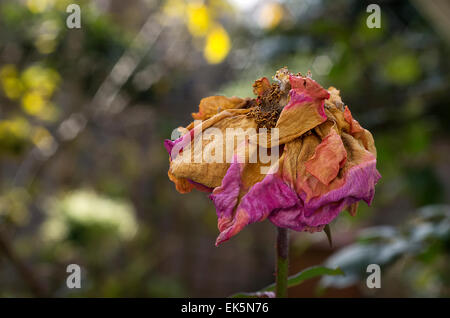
(414, 256)
(84, 217)
(83, 113)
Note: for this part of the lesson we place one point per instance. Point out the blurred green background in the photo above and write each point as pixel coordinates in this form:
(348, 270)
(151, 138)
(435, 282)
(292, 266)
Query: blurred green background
(84, 112)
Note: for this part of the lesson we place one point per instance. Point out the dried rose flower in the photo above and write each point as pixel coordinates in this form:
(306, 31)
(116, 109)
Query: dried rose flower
(327, 161)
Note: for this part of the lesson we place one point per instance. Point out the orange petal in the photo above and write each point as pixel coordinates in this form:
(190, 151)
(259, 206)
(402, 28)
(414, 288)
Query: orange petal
(362, 135)
(329, 157)
(181, 184)
(355, 127)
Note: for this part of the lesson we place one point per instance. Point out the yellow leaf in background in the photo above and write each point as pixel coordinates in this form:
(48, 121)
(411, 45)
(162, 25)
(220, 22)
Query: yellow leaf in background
(13, 87)
(199, 19)
(217, 45)
(35, 86)
(36, 105)
(33, 103)
(11, 84)
(41, 79)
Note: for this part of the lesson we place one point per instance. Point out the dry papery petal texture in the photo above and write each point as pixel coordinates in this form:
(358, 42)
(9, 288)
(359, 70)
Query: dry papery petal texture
(326, 162)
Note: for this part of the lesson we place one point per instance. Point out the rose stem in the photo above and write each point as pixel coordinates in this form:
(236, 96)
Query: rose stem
(282, 250)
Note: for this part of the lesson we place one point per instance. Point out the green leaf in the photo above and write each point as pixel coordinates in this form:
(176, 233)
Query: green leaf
(327, 231)
(310, 272)
(294, 280)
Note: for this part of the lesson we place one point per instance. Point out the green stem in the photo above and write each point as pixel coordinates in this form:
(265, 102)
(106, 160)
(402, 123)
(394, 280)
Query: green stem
(282, 250)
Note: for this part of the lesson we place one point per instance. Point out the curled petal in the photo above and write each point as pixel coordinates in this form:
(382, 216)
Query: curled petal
(200, 186)
(202, 155)
(334, 109)
(296, 219)
(335, 99)
(225, 197)
(309, 187)
(299, 116)
(318, 202)
(308, 87)
(341, 116)
(329, 157)
(170, 144)
(362, 135)
(354, 125)
(212, 105)
(265, 196)
(304, 111)
(359, 185)
(317, 212)
(181, 184)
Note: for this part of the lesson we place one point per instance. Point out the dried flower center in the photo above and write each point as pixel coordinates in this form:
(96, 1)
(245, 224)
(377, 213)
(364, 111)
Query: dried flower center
(265, 119)
(271, 100)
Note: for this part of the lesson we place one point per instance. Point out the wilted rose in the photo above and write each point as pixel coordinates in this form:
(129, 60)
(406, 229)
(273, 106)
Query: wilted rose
(326, 162)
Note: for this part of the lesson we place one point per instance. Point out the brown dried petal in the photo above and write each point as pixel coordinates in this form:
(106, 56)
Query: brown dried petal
(212, 105)
(211, 173)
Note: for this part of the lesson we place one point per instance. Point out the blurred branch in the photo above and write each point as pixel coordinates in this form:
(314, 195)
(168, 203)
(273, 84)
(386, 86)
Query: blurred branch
(27, 274)
(107, 100)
